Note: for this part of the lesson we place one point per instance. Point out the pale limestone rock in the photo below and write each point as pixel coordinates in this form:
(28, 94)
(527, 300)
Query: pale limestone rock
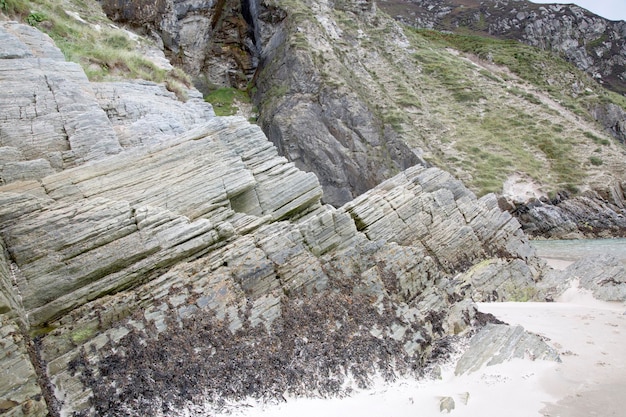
(144, 113)
(48, 108)
(429, 208)
(20, 394)
(497, 343)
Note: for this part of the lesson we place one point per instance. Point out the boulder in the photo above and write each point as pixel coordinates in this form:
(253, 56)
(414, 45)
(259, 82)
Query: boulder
(497, 343)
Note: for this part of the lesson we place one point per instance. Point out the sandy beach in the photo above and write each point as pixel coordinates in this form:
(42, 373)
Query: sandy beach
(590, 336)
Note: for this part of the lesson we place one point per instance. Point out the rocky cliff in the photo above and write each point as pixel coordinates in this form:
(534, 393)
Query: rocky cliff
(347, 93)
(169, 261)
(594, 44)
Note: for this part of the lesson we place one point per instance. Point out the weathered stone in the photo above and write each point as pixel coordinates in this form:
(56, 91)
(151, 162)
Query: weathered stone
(144, 113)
(428, 208)
(604, 276)
(446, 404)
(215, 42)
(48, 109)
(497, 343)
(20, 394)
(565, 217)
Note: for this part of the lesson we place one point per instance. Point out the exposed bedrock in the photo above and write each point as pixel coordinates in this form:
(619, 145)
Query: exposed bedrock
(592, 214)
(149, 270)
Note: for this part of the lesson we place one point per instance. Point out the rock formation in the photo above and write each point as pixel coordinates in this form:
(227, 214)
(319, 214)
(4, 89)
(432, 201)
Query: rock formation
(347, 93)
(603, 276)
(216, 42)
(594, 44)
(565, 217)
(146, 271)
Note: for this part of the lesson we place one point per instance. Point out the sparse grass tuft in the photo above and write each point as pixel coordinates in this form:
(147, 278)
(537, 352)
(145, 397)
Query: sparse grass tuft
(595, 160)
(14, 7)
(224, 100)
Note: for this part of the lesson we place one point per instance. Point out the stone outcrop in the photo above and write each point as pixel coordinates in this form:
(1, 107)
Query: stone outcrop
(142, 112)
(20, 392)
(594, 44)
(50, 128)
(176, 270)
(564, 217)
(604, 276)
(216, 42)
(498, 343)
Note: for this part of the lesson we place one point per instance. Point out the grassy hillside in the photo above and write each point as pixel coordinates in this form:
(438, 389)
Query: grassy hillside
(480, 108)
(86, 36)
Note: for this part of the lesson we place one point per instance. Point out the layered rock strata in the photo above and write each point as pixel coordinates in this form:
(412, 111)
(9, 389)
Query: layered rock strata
(564, 217)
(202, 267)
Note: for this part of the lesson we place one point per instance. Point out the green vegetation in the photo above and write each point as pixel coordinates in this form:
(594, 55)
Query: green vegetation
(14, 7)
(224, 100)
(34, 18)
(595, 160)
(104, 52)
(596, 139)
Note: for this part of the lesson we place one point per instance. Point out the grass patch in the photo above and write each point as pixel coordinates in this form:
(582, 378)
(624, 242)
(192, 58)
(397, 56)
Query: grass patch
(14, 7)
(597, 140)
(224, 100)
(595, 160)
(104, 52)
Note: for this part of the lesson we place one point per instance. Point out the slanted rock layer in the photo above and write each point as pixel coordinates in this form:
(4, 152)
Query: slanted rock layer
(149, 271)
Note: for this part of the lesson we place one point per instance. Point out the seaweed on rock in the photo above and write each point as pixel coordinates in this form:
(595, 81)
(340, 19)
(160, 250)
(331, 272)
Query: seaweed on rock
(321, 345)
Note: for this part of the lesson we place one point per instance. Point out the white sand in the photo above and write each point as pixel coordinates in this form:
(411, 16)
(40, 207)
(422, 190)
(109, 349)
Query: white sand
(560, 264)
(591, 380)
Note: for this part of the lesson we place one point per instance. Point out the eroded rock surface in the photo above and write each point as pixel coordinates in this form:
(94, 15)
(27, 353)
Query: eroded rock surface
(497, 343)
(202, 267)
(565, 217)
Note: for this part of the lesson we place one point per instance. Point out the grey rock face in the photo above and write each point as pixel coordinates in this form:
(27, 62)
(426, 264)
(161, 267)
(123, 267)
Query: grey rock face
(604, 276)
(213, 41)
(20, 393)
(145, 113)
(613, 118)
(58, 124)
(588, 215)
(497, 343)
(323, 127)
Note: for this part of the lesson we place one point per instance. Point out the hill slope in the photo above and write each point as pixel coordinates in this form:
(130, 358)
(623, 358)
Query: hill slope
(346, 92)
